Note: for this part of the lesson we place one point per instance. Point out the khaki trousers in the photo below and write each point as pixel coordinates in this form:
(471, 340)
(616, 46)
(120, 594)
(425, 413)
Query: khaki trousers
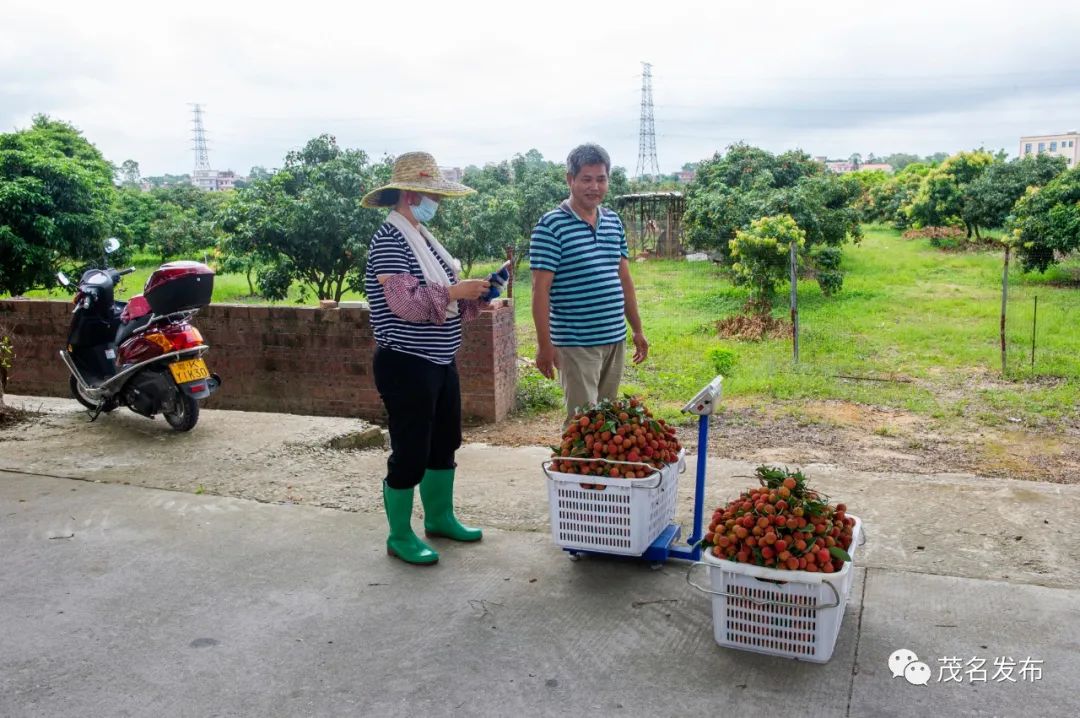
(588, 374)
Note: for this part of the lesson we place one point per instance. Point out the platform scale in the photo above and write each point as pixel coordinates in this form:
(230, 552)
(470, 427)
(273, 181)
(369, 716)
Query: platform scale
(665, 546)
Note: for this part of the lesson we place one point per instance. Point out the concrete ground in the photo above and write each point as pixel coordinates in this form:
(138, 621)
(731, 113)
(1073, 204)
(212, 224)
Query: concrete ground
(126, 593)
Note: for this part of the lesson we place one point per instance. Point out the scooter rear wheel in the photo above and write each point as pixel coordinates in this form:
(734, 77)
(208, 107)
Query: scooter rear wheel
(77, 392)
(185, 415)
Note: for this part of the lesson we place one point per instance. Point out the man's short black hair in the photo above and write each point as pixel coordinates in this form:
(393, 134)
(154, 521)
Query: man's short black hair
(585, 155)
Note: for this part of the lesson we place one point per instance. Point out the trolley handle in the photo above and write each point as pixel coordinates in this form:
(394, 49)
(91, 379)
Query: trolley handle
(759, 601)
(607, 480)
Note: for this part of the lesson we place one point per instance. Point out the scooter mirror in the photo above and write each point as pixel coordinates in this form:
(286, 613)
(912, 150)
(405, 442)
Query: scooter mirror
(111, 245)
(62, 278)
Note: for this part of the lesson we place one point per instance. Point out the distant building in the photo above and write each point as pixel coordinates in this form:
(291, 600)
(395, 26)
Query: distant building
(1065, 145)
(844, 166)
(452, 174)
(840, 167)
(214, 180)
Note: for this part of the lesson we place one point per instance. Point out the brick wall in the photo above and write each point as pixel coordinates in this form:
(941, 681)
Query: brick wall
(296, 360)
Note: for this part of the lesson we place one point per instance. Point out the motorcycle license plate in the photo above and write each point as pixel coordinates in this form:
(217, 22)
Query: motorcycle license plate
(190, 370)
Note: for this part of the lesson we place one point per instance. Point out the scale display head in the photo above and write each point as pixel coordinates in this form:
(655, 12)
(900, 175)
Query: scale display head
(706, 400)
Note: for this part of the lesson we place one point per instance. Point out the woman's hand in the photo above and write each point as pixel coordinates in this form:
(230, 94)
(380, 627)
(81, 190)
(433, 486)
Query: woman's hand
(468, 289)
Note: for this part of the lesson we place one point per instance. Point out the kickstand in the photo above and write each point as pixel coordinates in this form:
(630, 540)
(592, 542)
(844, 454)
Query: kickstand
(95, 412)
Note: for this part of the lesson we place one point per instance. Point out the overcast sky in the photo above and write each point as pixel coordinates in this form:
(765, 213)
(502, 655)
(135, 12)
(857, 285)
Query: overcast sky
(474, 82)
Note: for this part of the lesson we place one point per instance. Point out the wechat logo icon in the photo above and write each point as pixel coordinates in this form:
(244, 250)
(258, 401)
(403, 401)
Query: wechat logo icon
(905, 663)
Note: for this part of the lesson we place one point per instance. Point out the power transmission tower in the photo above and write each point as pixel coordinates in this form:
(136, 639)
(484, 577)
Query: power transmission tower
(647, 163)
(203, 177)
(202, 156)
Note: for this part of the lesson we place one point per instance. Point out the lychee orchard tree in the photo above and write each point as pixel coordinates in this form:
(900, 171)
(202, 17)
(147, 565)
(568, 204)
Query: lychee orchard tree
(305, 223)
(746, 183)
(1046, 222)
(56, 193)
(760, 255)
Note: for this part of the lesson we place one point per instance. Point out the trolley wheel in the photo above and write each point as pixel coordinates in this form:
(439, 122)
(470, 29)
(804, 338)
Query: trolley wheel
(573, 556)
(656, 565)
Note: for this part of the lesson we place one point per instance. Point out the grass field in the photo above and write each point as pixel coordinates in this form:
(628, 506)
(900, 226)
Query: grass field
(916, 326)
(922, 322)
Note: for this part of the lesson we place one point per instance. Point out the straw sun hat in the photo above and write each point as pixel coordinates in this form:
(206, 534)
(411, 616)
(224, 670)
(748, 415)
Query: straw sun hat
(416, 172)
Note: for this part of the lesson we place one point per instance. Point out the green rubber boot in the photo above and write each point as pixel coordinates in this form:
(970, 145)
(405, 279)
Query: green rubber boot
(437, 495)
(402, 542)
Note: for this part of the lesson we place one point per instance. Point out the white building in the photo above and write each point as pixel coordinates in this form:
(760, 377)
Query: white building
(1065, 145)
(214, 180)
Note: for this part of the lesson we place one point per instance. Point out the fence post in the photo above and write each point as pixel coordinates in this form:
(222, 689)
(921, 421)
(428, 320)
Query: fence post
(1004, 301)
(510, 282)
(1034, 321)
(794, 304)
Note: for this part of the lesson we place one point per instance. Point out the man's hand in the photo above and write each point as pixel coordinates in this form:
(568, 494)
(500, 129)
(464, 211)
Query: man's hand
(641, 347)
(547, 361)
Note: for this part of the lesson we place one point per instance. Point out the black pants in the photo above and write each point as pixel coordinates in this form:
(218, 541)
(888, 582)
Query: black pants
(423, 401)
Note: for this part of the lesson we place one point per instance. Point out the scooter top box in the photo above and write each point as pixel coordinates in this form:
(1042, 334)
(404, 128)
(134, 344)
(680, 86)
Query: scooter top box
(177, 286)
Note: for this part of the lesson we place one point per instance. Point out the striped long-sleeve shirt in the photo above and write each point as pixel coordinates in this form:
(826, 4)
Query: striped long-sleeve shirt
(586, 294)
(408, 314)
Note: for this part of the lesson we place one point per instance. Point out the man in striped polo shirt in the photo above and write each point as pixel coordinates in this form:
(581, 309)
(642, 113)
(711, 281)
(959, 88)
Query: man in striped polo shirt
(582, 293)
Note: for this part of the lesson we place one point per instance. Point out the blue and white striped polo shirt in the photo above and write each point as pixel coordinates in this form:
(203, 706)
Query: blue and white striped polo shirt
(586, 294)
(391, 254)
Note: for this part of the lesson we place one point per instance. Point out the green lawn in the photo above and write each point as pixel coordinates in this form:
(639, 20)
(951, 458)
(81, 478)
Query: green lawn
(907, 311)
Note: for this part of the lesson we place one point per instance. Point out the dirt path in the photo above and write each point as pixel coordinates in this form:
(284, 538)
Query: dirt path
(854, 436)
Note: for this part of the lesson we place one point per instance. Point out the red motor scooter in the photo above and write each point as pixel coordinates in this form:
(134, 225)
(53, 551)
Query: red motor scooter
(143, 354)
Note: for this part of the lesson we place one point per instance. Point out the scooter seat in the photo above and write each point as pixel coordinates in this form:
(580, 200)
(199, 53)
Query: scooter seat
(128, 328)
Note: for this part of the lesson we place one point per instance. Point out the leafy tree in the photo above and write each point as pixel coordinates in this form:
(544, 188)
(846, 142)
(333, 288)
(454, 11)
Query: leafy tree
(618, 184)
(185, 220)
(1046, 221)
(258, 173)
(128, 173)
(761, 255)
(306, 223)
(237, 251)
(991, 196)
(168, 180)
(748, 183)
(479, 226)
(864, 182)
(540, 190)
(888, 201)
(55, 193)
(941, 199)
(133, 216)
(900, 160)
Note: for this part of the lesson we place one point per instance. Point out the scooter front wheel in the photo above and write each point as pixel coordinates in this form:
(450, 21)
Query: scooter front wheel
(185, 413)
(77, 392)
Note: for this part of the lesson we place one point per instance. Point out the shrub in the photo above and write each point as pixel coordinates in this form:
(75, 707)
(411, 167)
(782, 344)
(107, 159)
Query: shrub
(829, 276)
(723, 360)
(760, 254)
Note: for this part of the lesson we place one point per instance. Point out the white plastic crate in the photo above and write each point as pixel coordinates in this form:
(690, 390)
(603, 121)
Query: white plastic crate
(624, 517)
(793, 614)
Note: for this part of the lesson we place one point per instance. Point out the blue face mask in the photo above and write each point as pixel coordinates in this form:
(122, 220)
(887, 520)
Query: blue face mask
(425, 211)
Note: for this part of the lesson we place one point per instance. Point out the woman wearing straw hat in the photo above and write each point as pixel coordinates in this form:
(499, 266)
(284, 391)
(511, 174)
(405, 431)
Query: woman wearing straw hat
(418, 304)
